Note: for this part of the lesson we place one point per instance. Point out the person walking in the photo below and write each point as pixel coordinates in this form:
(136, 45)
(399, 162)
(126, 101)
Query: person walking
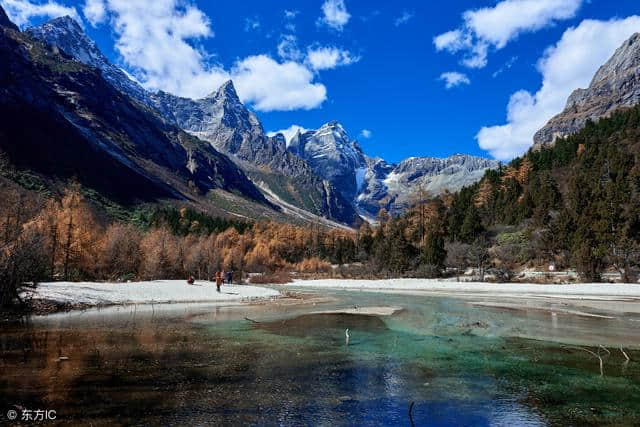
(229, 277)
(218, 280)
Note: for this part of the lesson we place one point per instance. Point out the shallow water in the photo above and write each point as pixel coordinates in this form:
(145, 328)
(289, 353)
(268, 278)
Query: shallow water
(457, 363)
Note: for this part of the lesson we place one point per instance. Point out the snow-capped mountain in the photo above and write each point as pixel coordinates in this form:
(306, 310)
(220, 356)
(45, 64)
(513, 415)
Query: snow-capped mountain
(71, 122)
(332, 155)
(67, 35)
(220, 119)
(372, 183)
(323, 171)
(394, 186)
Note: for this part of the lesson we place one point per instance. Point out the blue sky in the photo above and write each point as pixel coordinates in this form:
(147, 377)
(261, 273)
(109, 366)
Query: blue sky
(373, 65)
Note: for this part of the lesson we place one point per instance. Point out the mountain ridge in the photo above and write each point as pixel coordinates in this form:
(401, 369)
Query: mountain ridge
(322, 170)
(616, 84)
(90, 131)
(221, 119)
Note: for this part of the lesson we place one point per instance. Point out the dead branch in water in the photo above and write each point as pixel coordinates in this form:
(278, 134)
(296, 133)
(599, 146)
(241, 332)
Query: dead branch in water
(605, 349)
(251, 320)
(595, 355)
(625, 354)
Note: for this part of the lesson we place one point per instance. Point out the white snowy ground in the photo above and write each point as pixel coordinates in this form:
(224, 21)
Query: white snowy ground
(159, 291)
(591, 291)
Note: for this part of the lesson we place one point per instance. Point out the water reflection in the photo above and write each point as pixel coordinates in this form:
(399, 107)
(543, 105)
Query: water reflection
(460, 364)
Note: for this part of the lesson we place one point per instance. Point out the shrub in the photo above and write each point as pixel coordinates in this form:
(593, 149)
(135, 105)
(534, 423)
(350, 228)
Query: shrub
(313, 265)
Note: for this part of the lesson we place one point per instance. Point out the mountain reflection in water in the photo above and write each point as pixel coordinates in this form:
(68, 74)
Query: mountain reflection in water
(460, 364)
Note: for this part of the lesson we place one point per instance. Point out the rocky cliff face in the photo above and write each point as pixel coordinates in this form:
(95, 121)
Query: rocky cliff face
(332, 155)
(220, 119)
(66, 34)
(394, 186)
(62, 118)
(322, 171)
(228, 125)
(615, 85)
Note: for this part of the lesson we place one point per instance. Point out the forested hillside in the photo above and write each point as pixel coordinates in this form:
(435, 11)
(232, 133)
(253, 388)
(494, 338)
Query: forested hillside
(577, 201)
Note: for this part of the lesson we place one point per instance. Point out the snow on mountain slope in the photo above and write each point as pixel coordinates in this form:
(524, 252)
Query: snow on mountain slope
(220, 119)
(67, 35)
(392, 186)
(372, 183)
(332, 155)
(356, 180)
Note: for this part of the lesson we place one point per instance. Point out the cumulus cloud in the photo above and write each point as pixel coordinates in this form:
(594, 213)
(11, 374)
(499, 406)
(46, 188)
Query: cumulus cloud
(270, 85)
(404, 18)
(22, 11)
(335, 14)
(323, 58)
(156, 43)
(289, 132)
(366, 133)
(565, 66)
(95, 11)
(453, 78)
(496, 26)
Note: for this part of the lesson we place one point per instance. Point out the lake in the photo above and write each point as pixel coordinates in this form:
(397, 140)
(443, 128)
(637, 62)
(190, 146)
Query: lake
(438, 362)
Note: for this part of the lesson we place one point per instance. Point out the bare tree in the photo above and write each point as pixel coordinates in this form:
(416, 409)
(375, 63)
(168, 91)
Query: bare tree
(457, 254)
(479, 255)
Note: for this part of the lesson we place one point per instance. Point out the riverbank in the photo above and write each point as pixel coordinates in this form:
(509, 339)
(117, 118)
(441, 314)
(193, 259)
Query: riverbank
(606, 291)
(62, 296)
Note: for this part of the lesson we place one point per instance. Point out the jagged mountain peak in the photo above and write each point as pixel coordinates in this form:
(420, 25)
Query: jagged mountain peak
(625, 58)
(67, 34)
(67, 22)
(225, 92)
(616, 84)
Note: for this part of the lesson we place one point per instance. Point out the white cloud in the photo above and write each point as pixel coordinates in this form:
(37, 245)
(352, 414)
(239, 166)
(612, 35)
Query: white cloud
(22, 11)
(95, 11)
(288, 48)
(569, 64)
(452, 41)
(270, 85)
(155, 41)
(335, 14)
(496, 26)
(289, 132)
(404, 18)
(323, 58)
(453, 79)
(290, 14)
(366, 133)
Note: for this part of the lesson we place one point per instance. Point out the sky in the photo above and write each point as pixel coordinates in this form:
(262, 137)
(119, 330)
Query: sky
(405, 78)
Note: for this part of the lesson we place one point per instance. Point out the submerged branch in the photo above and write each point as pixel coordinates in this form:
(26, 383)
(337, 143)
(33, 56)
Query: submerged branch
(626, 356)
(593, 354)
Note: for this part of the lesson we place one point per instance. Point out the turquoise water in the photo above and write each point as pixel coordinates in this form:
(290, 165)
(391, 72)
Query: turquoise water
(451, 362)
